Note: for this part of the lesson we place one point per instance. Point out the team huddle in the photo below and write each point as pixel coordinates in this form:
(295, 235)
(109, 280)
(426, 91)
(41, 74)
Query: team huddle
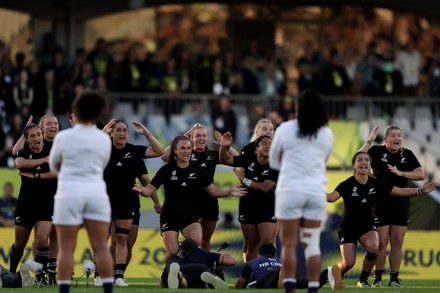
(86, 177)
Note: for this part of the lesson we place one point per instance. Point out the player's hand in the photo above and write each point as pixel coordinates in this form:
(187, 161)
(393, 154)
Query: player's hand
(237, 191)
(141, 129)
(226, 139)
(393, 169)
(373, 134)
(108, 127)
(158, 208)
(429, 186)
(239, 171)
(137, 188)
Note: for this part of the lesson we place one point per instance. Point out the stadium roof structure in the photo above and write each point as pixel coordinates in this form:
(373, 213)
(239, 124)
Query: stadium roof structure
(87, 9)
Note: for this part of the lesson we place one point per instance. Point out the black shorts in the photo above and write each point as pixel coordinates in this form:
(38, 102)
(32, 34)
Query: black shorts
(252, 216)
(394, 216)
(209, 210)
(349, 234)
(122, 210)
(27, 217)
(171, 223)
(136, 217)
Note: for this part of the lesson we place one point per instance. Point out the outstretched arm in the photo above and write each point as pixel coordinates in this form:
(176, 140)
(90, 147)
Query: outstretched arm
(427, 187)
(225, 157)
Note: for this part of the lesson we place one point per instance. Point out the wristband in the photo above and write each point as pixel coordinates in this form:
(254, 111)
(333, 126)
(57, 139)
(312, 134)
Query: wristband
(420, 191)
(246, 182)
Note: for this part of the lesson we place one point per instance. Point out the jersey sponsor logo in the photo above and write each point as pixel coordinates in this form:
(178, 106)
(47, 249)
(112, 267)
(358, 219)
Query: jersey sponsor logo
(372, 191)
(364, 201)
(164, 226)
(354, 193)
(203, 165)
(385, 157)
(38, 168)
(127, 155)
(251, 167)
(183, 184)
(241, 218)
(191, 176)
(30, 156)
(173, 175)
(403, 160)
(193, 157)
(119, 164)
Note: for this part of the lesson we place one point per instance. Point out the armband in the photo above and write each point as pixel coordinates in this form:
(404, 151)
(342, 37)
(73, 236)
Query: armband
(419, 191)
(247, 182)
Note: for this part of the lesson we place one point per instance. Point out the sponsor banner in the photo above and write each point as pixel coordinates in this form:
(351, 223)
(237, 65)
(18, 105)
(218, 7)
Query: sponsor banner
(421, 253)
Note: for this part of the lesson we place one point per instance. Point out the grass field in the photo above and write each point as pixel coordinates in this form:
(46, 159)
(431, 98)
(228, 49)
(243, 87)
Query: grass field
(151, 285)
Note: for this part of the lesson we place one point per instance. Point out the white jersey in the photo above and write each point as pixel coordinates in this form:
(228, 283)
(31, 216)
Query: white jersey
(302, 164)
(79, 155)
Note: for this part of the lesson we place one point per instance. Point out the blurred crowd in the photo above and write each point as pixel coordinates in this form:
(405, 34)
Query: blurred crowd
(47, 84)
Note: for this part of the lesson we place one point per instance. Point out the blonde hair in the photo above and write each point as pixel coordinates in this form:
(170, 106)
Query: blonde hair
(258, 126)
(387, 131)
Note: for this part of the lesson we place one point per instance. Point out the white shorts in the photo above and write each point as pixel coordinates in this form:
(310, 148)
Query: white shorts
(74, 210)
(291, 205)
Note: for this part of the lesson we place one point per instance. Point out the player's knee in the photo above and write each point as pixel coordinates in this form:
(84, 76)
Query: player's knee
(121, 234)
(371, 256)
(310, 238)
(347, 264)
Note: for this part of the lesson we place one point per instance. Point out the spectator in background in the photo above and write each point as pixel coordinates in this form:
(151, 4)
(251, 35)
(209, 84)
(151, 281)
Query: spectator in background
(270, 84)
(23, 92)
(308, 67)
(8, 204)
(219, 79)
(131, 70)
(204, 65)
(86, 80)
(7, 104)
(78, 60)
(365, 71)
(409, 63)
(433, 68)
(253, 63)
(196, 115)
(61, 84)
(232, 72)
(335, 80)
(257, 113)
(223, 116)
(286, 109)
(100, 59)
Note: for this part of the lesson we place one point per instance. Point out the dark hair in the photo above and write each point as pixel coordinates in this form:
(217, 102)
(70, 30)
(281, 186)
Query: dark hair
(119, 121)
(173, 145)
(89, 106)
(267, 249)
(188, 245)
(29, 127)
(310, 113)
(260, 138)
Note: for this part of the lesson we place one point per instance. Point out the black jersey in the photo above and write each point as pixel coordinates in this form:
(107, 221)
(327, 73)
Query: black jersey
(208, 161)
(360, 198)
(47, 143)
(255, 199)
(36, 191)
(182, 187)
(121, 171)
(404, 160)
(249, 149)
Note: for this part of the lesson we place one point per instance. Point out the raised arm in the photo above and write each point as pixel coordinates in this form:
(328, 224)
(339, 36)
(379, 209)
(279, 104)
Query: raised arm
(225, 157)
(371, 138)
(155, 149)
(19, 145)
(108, 127)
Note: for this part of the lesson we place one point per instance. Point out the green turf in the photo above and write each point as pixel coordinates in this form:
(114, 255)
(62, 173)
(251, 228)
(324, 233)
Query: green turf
(151, 285)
